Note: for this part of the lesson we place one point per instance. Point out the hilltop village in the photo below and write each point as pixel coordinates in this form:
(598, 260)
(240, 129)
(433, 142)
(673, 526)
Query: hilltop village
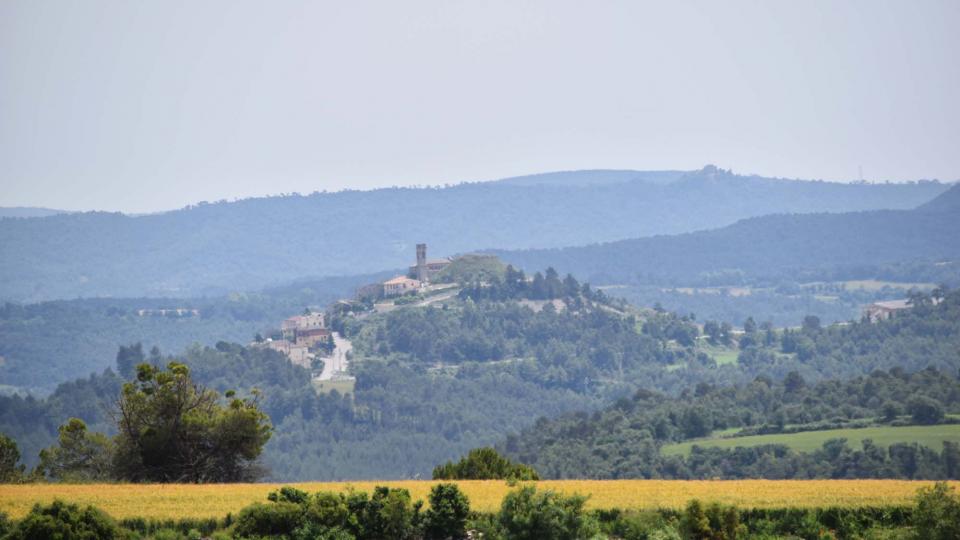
(307, 340)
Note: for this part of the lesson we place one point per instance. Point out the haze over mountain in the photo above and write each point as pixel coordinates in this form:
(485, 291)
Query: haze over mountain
(773, 247)
(27, 212)
(214, 248)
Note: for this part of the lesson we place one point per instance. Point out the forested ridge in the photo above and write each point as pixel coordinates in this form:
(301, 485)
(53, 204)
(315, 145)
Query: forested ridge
(213, 249)
(773, 248)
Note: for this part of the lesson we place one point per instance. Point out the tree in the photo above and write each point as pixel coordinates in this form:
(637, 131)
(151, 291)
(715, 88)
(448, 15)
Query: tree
(552, 284)
(527, 514)
(538, 289)
(890, 411)
(173, 430)
(749, 326)
(78, 455)
(10, 471)
(726, 333)
(571, 287)
(937, 514)
(712, 330)
(793, 382)
(925, 410)
(447, 516)
(155, 357)
(484, 464)
(128, 358)
(696, 422)
(811, 323)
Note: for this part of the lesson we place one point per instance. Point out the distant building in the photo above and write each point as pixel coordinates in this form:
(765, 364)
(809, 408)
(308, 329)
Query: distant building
(293, 326)
(400, 285)
(426, 269)
(300, 355)
(312, 336)
(881, 311)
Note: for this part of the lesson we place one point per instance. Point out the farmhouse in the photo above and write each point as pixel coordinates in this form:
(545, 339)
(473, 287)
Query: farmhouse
(881, 311)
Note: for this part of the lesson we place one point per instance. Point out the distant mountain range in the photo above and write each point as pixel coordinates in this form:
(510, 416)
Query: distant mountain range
(27, 212)
(216, 248)
(775, 246)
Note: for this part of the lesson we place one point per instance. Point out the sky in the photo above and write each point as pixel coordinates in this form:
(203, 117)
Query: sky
(152, 105)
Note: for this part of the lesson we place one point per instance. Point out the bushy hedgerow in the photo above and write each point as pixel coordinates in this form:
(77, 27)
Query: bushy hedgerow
(67, 521)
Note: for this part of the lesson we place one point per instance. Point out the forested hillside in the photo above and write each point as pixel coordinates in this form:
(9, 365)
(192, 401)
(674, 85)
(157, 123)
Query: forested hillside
(44, 344)
(912, 363)
(434, 382)
(810, 247)
(221, 247)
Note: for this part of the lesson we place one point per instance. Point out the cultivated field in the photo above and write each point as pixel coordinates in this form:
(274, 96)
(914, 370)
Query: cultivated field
(203, 501)
(931, 436)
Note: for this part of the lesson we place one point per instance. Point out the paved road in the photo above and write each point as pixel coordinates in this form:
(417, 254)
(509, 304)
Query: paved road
(337, 362)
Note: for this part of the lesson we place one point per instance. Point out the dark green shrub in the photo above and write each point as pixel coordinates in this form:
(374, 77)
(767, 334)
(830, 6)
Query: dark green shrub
(799, 522)
(67, 521)
(484, 464)
(146, 527)
(937, 515)
(715, 522)
(637, 525)
(313, 531)
(486, 526)
(389, 513)
(279, 519)
(289, 494)
(527, 514)
(447, 515)
(328, 510)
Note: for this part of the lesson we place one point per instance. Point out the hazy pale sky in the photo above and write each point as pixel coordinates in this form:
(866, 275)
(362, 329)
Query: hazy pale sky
(150, 105)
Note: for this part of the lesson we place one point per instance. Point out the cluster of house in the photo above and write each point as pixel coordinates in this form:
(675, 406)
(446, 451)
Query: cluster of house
(881, 311)
(416, 278)
(301, 336)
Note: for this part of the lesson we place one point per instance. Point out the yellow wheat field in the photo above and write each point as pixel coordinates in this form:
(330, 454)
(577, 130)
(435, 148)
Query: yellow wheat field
(216, 500)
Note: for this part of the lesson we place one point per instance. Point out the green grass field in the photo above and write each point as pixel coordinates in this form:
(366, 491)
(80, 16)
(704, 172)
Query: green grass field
(931, 436)
(723, 355)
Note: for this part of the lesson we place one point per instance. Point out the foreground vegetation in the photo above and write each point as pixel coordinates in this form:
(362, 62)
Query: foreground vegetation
(397, 511)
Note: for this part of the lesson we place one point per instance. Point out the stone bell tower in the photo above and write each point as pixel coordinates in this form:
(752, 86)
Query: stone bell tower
(422, 262)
